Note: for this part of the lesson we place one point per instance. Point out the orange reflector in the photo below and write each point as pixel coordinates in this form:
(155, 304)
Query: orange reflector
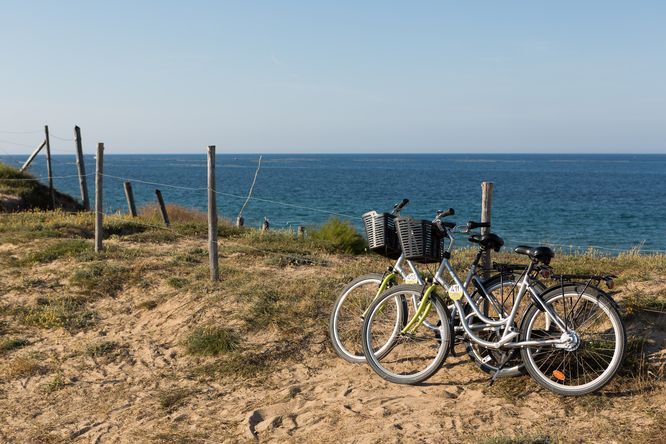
(558, 375)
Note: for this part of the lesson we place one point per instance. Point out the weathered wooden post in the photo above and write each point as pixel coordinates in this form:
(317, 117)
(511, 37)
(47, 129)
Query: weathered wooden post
(265, 225)
(163, 210)
(99, 209)
(300, 232)
(486, 208)
(81, 166)
(240, 221)
(33, 155)
(48, 166)
(212, 217)
(129, 195)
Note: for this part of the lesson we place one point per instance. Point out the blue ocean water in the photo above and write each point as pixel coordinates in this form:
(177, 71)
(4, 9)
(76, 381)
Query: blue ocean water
(614, 202)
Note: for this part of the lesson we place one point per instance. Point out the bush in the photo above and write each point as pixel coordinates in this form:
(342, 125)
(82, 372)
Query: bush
(340, 235)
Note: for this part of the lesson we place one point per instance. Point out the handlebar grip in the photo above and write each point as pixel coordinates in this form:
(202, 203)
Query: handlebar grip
(449, 212)
(400, 205)
(473, 225)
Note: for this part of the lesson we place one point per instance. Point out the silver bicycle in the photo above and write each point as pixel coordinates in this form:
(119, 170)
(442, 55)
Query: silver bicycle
(571, 337)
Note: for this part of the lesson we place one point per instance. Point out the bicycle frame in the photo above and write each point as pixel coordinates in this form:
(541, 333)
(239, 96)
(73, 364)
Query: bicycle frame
(393, 273)
(507, 322)
(509, 332)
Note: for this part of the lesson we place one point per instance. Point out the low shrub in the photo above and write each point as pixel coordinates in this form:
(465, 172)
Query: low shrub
(340, 235)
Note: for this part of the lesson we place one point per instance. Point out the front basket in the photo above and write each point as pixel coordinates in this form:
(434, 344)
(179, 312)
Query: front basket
(421, 241)
(381, 234)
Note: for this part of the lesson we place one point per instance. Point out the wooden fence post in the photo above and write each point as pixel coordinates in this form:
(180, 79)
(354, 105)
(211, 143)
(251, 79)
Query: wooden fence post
(81, 166)
(265, 225)
(99, 209)
(163, 210)
(240, 221)
(300, 232)
(130, 198)
(33, 155)
(486, 209)
(48, 166)
(212, 217)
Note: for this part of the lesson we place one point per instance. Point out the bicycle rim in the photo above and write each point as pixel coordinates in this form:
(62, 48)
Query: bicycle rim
(346, 321)
(412, 356)
(597, 356)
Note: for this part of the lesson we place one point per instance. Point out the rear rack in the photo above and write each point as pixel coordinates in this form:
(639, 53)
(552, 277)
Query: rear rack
(607, 278)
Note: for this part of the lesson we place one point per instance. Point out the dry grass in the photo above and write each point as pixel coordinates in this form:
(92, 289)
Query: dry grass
(24, 366)
(145, 308)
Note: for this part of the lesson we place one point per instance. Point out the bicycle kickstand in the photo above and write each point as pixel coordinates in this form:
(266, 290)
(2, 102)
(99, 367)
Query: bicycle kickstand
(505, 359)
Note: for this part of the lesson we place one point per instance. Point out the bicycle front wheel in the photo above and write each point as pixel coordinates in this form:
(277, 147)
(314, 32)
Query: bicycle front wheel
(414, 355)
(594, 354)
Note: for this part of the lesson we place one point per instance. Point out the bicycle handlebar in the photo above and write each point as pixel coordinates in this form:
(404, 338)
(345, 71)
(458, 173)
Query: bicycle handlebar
(473, 225)
(399, 206)
(449, 212)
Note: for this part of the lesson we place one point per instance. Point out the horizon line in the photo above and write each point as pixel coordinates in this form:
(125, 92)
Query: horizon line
(355, 153)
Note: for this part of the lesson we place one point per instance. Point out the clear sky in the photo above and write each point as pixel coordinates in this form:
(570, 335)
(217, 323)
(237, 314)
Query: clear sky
(336, 76)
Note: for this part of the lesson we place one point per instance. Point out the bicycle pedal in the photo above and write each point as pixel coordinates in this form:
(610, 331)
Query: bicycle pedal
(505, 358)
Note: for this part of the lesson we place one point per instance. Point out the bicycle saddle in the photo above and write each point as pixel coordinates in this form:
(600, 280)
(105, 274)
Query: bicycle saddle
(541, 254)
(487, 241)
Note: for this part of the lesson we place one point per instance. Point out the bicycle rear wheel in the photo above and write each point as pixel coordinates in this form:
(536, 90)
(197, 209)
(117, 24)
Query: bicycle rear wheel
(412, 356)
(595, 352)
(504, 290)
(346, 319)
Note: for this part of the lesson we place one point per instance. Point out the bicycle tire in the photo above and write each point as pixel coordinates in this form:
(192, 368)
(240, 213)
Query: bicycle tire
(346, 339)
(412, 358)
(552, 368)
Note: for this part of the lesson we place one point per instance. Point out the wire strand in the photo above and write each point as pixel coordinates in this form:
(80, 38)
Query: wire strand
(65, 139)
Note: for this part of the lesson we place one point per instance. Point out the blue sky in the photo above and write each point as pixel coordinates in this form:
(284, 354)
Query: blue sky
(339, 76)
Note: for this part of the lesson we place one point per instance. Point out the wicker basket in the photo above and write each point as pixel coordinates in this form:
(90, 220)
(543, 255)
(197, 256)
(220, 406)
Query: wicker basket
(381, 234)
(421, 241)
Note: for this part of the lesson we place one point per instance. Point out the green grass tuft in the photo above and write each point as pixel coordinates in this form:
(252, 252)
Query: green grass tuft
(177, 282)
(69, 313)
(211, 341)
(101, 348)
(101, 279)
(77, 248)
(11, 344)
(170, 399)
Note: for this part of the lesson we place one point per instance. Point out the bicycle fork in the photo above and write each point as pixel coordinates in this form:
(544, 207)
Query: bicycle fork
(421, 311)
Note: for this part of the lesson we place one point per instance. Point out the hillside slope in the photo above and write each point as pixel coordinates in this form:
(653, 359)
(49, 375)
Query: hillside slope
(136, 345)
(21, 191)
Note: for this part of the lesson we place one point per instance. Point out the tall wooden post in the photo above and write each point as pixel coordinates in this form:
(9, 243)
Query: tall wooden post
(486, 208)
(163, 210)
(212, 217)
(81, 166)
(99, 209)
(48, 166)
(129, 195)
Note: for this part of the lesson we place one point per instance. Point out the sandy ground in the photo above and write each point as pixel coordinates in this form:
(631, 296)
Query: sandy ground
(315, 397)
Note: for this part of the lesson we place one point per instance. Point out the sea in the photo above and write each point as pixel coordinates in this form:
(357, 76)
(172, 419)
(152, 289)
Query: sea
(573, 202)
